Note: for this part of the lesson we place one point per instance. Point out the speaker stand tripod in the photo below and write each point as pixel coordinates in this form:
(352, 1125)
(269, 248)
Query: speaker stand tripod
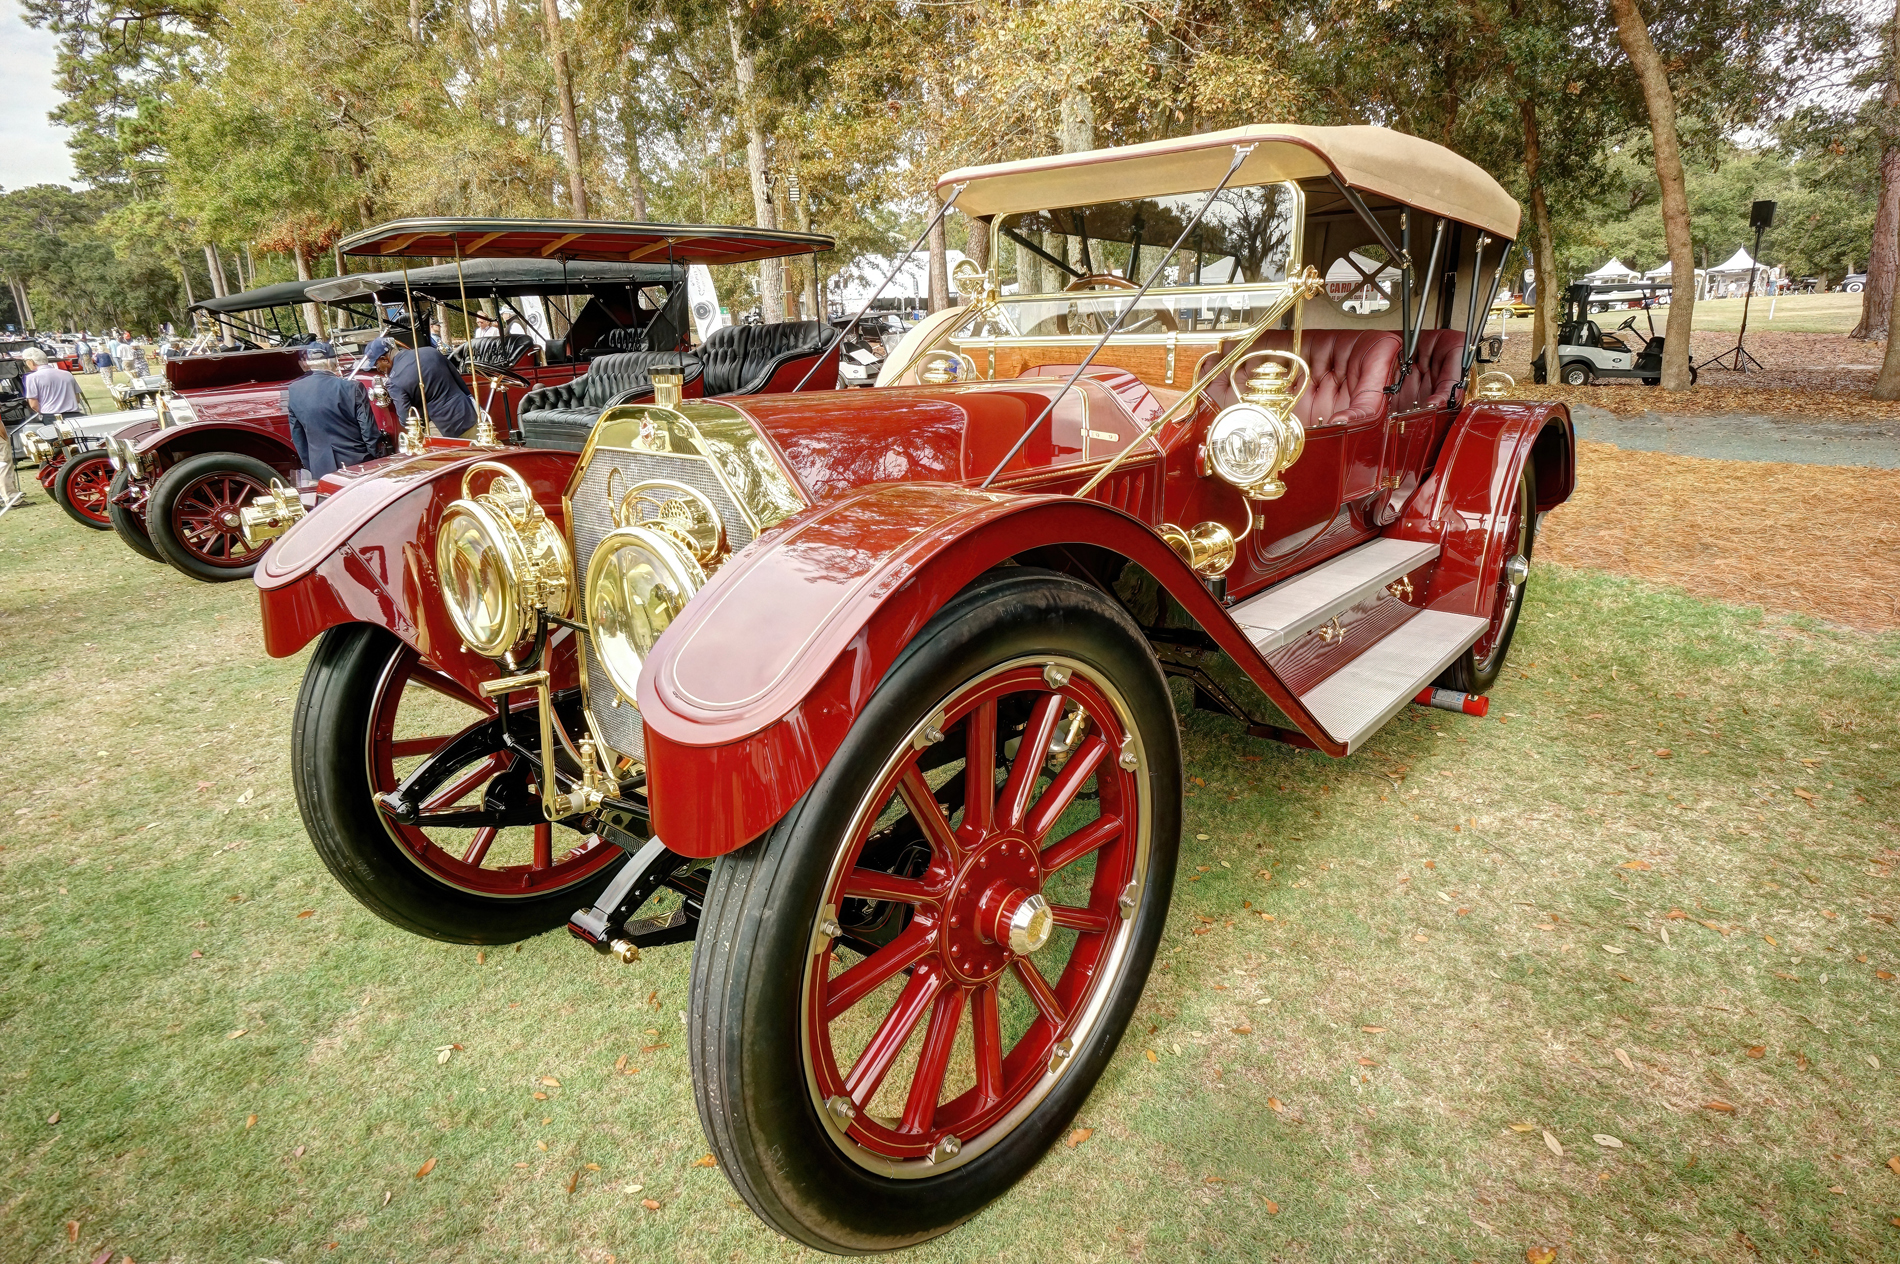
(1737, 358)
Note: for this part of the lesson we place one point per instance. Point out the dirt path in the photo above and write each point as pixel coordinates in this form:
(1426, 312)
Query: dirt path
(1746, 436)
(1813, 539)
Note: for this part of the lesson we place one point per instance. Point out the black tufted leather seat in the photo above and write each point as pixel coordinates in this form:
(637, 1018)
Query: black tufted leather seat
(1428, 385)
(562, 416)
(740, 359)
(503, 350)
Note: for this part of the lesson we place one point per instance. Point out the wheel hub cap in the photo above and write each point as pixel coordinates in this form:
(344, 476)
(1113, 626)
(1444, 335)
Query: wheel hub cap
(996, 910)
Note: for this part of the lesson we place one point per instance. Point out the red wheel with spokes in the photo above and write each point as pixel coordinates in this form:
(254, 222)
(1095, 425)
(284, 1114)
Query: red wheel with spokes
(193, 514)
(420, 805)
(904, 991)
(81, 487)
(1479, 667)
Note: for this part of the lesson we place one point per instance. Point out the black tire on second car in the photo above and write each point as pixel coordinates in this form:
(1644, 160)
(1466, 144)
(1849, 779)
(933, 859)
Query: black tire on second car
(192, 514)
(128, 526)
(80, 476)
(855, 1162)
(1478, 668)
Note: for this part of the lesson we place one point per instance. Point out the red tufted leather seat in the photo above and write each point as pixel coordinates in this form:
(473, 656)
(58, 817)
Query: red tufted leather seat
(1351, 369)
(1428, 385)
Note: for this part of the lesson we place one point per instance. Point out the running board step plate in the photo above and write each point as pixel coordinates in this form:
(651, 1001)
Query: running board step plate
(1354, 702)
(1291, 609)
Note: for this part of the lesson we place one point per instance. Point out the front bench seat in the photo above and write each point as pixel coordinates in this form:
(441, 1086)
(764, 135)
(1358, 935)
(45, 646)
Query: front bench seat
(506, 351)
(563, 416)
(1428, 385)
(741, 359)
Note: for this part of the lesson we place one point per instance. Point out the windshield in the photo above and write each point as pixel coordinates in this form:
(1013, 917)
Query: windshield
(1247, 237)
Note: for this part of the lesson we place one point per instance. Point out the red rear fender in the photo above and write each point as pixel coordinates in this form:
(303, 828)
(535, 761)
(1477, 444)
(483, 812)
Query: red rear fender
(367, 555)
(751, 690)
(1463, 503)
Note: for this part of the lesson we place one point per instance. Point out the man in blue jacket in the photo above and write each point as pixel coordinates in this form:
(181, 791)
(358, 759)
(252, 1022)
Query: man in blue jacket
(330, 418)
(422, 379)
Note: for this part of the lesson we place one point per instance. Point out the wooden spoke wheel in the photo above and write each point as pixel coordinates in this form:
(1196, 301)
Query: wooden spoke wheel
(962, 914)
(125, 509)
(193, 514)
(81, 486)
(476, 861)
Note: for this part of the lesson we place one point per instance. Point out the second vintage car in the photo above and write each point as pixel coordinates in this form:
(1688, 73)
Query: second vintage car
(867, 693)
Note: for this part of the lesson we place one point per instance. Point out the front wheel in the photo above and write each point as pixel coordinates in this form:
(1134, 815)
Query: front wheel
(128, 523)
(1578, 375)
(903, 992)
(1478, 668)
(81, 486)
(193, 514)
(479, 864)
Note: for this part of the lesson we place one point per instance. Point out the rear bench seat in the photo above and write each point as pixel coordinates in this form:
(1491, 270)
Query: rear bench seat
(1428, 385)
(506, 350)
(1351, 369)
(735, 360)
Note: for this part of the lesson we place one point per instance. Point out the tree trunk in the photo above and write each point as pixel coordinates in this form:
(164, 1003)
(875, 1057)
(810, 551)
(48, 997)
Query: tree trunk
(813, 298)
(1883, 254)
(630, 137)
(415, 20)
(1544, 327)
(312, 312)
(939, 269)
(570, 125)
(184, 274)
(745, 72)
(1633, 33)
(216, 268)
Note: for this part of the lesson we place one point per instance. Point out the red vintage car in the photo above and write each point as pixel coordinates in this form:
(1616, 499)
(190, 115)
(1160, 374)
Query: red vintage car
(868, 692)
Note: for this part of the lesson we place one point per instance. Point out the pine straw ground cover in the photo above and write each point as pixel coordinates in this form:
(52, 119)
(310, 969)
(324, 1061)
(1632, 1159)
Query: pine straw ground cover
(1818, 540)
(1608, 974)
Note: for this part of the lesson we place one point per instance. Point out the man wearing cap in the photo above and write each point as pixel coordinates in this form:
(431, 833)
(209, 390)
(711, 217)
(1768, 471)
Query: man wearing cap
(422, 379)
(330, 419)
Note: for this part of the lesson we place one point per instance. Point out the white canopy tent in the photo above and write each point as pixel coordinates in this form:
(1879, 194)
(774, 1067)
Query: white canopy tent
(1730, 279)
(857, 281)
(1611, 273)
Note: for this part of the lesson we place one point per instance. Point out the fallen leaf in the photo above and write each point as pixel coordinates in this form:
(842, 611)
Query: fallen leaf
(1276, 1105)
(1894, 1163)
(1372, 1031)
(633, 1189)
(1551, 1143)
(1215, 1180)
(1539, 1254)
(1806, 794)
(1724, 1107)
(1243, 1030)
(1080, 1135)
(239, 1032)
(1873, 1062)
(540, 1096)
(1664, 754)
(481, 957)
(1421, 939)
(425, 1169)
(1624, 1058)
(1367, 1062)
(307, 913)
(550, 1081)
(297, 1153)
(1756, 1051)
(251, 1121)
(649, 1204)
(1635, 864)
(1771, 939)
(104, 1257)
(1883, 974)
(72, 1231)
(53, 1118)
(1837, 1189)
(385, 1198)
(1273, 1208)
(247, 796)
(1605, 1139)
(541, 1145)
(1522, 1127)
(1613, 948)
(705, 1160)
(1676, 915)
(573, 1180)
(1150, 1053)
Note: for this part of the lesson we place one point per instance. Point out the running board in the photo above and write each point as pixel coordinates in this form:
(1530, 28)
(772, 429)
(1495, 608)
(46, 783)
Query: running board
(1355, 701)
(1291, 609)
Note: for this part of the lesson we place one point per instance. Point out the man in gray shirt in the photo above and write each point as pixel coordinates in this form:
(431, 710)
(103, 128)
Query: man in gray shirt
(50, 390)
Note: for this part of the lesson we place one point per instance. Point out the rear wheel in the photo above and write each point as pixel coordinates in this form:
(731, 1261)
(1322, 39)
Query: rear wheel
(1578, 375)
(193, 514)
(903, 992)
(128, 523)
(1478, 668)
(81, 487)
(479, 865)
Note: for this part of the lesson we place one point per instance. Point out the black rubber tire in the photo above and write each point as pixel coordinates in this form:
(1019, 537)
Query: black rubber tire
(126, 524)
(158, 517)
(1579, 371)
(328, 739)
(60, 493)
(744, 1028)
(1465, 674)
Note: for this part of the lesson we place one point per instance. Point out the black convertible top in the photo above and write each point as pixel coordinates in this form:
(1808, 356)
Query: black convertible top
(484, 278)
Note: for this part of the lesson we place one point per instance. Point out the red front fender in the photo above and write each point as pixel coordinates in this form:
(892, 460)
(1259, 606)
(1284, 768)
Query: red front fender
(367, 555)
(1462, 505)
(751, 690)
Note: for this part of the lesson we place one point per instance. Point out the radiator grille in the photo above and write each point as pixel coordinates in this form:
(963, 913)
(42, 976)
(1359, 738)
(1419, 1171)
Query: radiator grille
(592, 518)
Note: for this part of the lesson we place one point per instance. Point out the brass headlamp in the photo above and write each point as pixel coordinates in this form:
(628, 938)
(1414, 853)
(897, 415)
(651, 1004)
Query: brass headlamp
(1253, 441)
(270, 514)
(500, 561)
(666, 536)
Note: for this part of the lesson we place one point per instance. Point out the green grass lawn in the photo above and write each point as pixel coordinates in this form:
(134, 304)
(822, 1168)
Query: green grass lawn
(1639, 915)
(1793, 313)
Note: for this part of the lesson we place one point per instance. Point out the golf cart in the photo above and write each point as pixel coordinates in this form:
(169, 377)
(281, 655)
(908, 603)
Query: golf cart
(1585, 353)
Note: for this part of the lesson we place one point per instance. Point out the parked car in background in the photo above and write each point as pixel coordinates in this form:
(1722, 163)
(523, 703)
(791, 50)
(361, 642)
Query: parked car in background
(1853, 283)
(866, 693)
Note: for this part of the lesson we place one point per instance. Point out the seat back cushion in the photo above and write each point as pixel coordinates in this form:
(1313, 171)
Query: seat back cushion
(563, 416)
(1351, 369)
(740, 359)
(1428, 385)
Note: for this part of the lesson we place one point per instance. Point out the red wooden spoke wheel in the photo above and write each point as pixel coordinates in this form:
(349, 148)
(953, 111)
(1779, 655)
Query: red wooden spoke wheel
(476, 861)
(192, 515)
(81, 488)
(991, 925)
(904, 990)
(48, 473)
(491, 859)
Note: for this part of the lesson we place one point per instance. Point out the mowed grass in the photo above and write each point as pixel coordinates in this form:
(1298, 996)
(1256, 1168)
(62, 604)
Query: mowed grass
(1384, 982)
(1829, 313)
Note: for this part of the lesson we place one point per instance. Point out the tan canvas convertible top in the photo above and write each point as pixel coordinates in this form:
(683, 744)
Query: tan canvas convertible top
(1372, 160)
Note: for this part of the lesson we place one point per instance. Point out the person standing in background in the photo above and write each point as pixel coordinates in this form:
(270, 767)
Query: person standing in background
(330, 419)
(83, 350)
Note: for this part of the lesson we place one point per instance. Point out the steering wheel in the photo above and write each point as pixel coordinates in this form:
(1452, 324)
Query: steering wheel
(497, 371)
(1109, 281)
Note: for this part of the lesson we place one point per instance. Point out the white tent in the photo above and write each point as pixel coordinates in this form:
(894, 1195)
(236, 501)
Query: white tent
(856, 282)
(1613, 271)
(1730, 279)
(1666, 272)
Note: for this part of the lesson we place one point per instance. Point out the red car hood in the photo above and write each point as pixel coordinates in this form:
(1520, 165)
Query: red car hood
(838, 440)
